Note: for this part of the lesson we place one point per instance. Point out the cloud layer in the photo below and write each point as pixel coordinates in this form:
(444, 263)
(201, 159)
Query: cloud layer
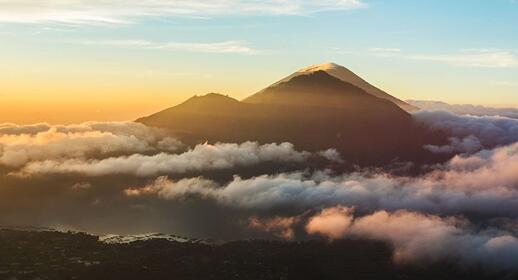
(20, 145)
(420, 237)
(465, 109)
(469, 133)
(202, 157)
(128, 178)
(485, 184)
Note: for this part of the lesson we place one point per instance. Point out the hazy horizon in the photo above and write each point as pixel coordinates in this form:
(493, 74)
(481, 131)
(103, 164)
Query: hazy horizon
(66, 112)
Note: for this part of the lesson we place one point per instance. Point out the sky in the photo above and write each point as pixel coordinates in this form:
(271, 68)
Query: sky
(73, 61)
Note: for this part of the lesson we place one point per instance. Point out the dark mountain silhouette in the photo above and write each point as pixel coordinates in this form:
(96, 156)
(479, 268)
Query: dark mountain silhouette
(340, 73)
(70, 255)
(314, 111)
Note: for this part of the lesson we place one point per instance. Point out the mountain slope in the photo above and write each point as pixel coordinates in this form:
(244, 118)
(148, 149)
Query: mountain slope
(340, 73)
(314, 112)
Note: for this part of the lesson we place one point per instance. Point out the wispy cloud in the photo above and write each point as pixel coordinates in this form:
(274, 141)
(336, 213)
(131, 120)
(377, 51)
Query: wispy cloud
(486, 58)
(385, 50)
(236, 47)
(120, 12)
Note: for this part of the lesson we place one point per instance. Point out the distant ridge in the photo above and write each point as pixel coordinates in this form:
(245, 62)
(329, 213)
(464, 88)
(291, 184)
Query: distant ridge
(466, 109)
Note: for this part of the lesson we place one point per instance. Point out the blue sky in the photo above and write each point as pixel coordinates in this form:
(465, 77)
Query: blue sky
(161, 52)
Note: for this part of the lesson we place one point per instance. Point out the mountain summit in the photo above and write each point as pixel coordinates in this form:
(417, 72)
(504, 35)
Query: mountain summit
(340, 73)
(314, 110)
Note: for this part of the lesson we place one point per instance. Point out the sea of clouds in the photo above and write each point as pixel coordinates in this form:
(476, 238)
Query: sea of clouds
(124, 177)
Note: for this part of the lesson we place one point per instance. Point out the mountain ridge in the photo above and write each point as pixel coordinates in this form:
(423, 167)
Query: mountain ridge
(314, 112)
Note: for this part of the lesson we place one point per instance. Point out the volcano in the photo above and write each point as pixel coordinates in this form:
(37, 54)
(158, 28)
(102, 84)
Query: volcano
(340, 73)
(314, 111)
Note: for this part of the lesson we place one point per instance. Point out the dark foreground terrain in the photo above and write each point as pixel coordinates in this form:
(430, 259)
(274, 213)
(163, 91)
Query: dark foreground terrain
(57, 255)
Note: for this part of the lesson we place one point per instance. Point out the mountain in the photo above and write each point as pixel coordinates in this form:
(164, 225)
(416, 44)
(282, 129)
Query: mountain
(126, 239)
(340, 73)
(314, 112)
(69, 255)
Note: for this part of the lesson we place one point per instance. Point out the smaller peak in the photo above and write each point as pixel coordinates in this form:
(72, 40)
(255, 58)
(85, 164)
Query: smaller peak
(210, 99)
(212, 95)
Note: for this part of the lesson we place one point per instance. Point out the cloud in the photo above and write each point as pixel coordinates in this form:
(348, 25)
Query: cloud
(125, 12)
(485, 184)
(474, 58)
(483, 58)
(81, 186)
(115, 148)
(468, 144)
(465, 109)
(236, 47)
(21, 144)
(418, 237)
(175, 190)
(469, 133)
(331, 155)
(385, 50)
(281, 227)
(202, 157)
(331, 222)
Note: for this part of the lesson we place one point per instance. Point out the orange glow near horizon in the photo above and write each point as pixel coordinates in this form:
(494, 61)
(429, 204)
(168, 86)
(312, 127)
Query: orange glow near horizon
(107, 106)
(57, 95)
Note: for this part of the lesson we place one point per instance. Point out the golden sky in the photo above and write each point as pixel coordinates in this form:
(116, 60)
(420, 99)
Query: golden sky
(60, 65)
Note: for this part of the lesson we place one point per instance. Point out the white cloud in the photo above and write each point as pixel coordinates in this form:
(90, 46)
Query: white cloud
(469, 133)
(123, 12)
(468, 144)
(213, 47)
(386, 50)
(485, 184)
(331, 222)
(417, 237)
(465, 109)
(474, 58)
(109, 148)
(20, 144)
(202, 157)
(484, 58)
